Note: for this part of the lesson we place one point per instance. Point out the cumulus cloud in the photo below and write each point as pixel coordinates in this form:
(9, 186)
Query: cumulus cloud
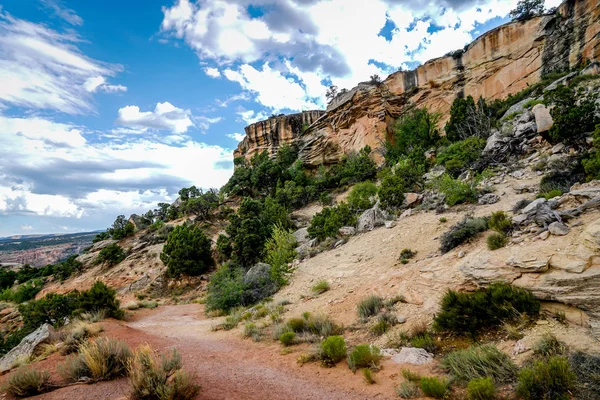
(164, 117)
(212, 72)
(41, 68)
(238, 137)
(251, 116)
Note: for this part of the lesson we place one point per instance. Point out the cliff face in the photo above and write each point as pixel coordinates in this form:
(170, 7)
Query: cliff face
(501, 62)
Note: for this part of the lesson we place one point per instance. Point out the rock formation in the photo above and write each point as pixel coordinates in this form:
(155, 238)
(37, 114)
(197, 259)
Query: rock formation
(503, 61)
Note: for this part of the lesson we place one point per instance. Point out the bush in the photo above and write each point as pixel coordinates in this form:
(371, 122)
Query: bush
(391, 191)
(549, 345)
(496, 240)
(407, 390)
(500, 222)
(160, 379)
(551, 194)
(469, 119)
(573, 114)
(328, 222)
(187, 252)
(320, 287)
(121, 228)
(27, 382)
(407, 254)
(333, 350)
(280, 250)
(79, 331)
(480, 362)
(369, 306)
(368, 375)
(467, 313)
(364, 356)
(111, 254)
(481, 389)
(587, 370)
(316, 324)
(53, 309)
(287, 338)
(101, 298)
(416, 129)
(23, 292)
(434, 387)
(380, 327)
(362, 195)
(100, 359)
(225, 288)
(461, 155)
(456, 191)
(423, 342)
(463, 231)
(547, 379)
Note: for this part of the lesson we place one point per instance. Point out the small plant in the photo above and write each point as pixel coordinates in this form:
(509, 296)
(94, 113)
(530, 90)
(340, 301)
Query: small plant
(380, 327)
(481, 389)
(463, 231)
(500, 222)
(333, 350)
(496, 241)
(546, 379)
(512, 332)
(111, 255)
(407, 390)
(549, 345)
(434, 387)
(456, 191)
(480, 362)
(424, 342)
(27, 382)
(368, 375)
(79, 331)
(252, 331)
(362, 196)
(287, 338)
(587, 370)
(159, 378)
(407, 254)
(369, 306)
(411, 376)
(100, 359)
(560, 317)
(443, 220)
(320, 287)
(364, 356)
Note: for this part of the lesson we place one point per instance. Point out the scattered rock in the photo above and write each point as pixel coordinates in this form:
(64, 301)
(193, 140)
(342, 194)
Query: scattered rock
(558, 229)
(401, 319)
(525, 129)
(520, 188)
(520, 347)
(558, 148)
(371, 218)
(517, 174)
(406, 213)
(544, 235)
(533, 205)
(413, 355)
(390, 224)
(519, 219)
(301, 236)
(339, 243)
(27, 347)
(543, 119)
(489, 198)
(461, 254)
(347, 231)
(412, 199)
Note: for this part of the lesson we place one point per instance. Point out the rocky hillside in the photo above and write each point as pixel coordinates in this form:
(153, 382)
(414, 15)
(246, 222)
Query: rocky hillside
(501, 62)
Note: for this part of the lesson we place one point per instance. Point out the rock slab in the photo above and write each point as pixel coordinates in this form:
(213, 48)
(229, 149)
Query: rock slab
(412, 355)
(27, 347)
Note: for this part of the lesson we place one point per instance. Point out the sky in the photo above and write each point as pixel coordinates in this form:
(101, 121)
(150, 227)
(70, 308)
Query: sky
(111, 107)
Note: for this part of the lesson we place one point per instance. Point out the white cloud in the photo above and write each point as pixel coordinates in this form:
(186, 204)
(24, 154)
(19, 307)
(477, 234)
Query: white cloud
(65, 13)
(164, 117)
(251, 116)
(238, 137)
(26, 227)
(43, 69)
(212, 72)
(96, 83)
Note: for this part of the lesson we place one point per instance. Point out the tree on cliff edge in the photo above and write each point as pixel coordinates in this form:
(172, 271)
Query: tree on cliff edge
(527, 9)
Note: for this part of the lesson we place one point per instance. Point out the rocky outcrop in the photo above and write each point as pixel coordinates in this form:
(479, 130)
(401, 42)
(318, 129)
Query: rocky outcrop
(27, 347)
(503, 61)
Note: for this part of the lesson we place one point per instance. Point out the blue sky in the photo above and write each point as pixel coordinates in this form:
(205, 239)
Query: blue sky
(110, 107)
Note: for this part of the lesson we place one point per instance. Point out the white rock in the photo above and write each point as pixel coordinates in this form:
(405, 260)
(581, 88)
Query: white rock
(390, 224)
(411, 355)
(543, 119)
(347, 231)
(533, 205)
(558, 229)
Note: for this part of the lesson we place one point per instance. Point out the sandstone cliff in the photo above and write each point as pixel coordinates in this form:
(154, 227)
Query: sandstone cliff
(503, 61)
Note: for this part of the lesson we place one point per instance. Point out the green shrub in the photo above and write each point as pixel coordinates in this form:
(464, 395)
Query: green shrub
(320, 287)
(406, 254)
(454, 190)
(480, 362)
(551, 194)
(225, 288)
(333, 350)
(532, 103)
(407, 390)
(187, 252)
(111, 255)
(101, 298)
(328, 222)
(463, 231)
(23, 292)
(559, 181)
(461, 155)
(121, 228)
(280, 250)
(380, 327)
(587, 370)
(468, 313)
(364, 356)
(100, 359)
(325, 199)
(391, 191)
(500, 222)
(496, 240)
(573, 114)
(434, 387)
(481, 389)
(368, 375)
(411, 376)
(287, 338)
(252, 331)
(161, 378)
(423, 342)
(443, 220)
(468, 118)
(415, 130)
(316, 324)
(362, 195)
(369, 306)
(27, 382)
(549, 345)
(547, 379)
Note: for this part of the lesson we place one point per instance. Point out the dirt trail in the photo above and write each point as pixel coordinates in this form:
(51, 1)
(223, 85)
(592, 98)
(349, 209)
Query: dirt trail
(226, 366)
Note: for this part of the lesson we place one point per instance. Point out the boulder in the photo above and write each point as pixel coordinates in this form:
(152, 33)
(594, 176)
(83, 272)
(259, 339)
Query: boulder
(390, 224)
(27, 347)
(102, 244)
(525, 129)
(259, 283)
(489, 198)
(413, 355)
(304, 249)
(590, 238)
(543, 119)
(528, 265)
(558, 148)
(412, 199)
(371, 218)
(301, 236)
(533, 206)
(592, 69)
(480, 268)
(558, 229)
(522, 188)
(519, 219)
(347, 231)
(569, 262)
(494, 142)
